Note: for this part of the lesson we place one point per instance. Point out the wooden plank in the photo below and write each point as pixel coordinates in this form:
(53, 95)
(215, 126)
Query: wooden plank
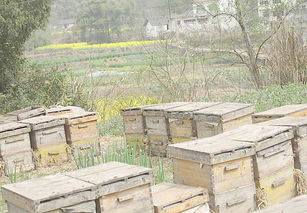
(134, 124)
(15, 144)
(18, 162)
(241, 200)
(211, 150)
(273, 159)
(182, 128)
(28, 112)
(262, 136)
(81, 131)
(279, 187)
(298, 110)
(237, 123)
(79, 117)
(295, 205)
(169, 197)
(53, 155)
(137, 199)
(186, 111)
(158, 145)
(226, 111)
(43, 122)
(157, 125)
(217, 178)
(48, 193)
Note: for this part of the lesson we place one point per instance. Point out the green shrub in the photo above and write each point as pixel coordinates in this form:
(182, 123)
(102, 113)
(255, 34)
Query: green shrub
(273, 96)
(112, 127)
(43, 87)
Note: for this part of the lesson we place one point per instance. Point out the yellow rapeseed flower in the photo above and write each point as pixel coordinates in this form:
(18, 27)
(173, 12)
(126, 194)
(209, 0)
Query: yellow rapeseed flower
(84, 45)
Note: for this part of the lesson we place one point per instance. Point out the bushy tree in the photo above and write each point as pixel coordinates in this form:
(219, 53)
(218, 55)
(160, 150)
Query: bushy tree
(18, 19)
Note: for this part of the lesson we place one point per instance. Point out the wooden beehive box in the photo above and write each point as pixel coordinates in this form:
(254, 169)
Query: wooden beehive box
(134, 126)
(299, 144)
(48, 139)
(222, 166)
(120, 187)
(223, 117)
(157, 125)
(50, 194)
(28, 112)
(173, 198)
(81, 131)
(181, 121)
(62, 110)
(15, 147)
(298, 110)
(273, 162)
(295, 205)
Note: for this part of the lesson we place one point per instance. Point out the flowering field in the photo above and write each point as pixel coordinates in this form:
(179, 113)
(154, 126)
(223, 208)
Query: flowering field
(84, 45)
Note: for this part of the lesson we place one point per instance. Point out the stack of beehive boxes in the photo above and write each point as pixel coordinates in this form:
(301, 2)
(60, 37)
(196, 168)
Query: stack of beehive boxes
(54, 133)
(154, 127)
(223, 166)
(299, 143)
(15, 148)
(48, 139)
(112, 187)
(273, 161)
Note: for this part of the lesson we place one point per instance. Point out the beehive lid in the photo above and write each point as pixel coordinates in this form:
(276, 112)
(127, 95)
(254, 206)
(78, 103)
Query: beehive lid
(28, 112)
(79, 117)
(282, 111)
(11, 129)
(165, 195)
(213, 150)
(43, 122)
(188, 109)
(112, 173)
(7, 119)
(224, 112)
(299, 124)
(160, 109)
(58, 109)
(37, 193)
(137, 110)
(261, 136)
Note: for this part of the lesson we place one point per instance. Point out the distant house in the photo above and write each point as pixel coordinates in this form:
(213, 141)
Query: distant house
(154, 27)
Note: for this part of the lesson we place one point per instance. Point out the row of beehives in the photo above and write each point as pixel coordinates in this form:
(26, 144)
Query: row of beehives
(251, 167)
(35, 136)
(153, 127)
(110, 188)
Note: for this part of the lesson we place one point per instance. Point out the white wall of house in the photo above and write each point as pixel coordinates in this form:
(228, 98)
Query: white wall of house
(155, 31)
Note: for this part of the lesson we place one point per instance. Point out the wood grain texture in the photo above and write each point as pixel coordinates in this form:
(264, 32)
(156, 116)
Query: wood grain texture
(18, 162)
(173, 198)
(28, 112)
(217, 178)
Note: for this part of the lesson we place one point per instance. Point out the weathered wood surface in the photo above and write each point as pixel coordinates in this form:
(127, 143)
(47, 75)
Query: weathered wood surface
(298, 110)
(79, 117)
(18, 162)
(158, 145)
(199, 209)
(113, 177)
(133, 200)
(49, 136)
(157, 125)
(86, 207)
(299, 144)
(28, 112)
(239, 200)
(273, 159)
(135, 110)
(160, 109)
(173, 198)
(211, 150)
(48, 193)
(295, 205)
(261, 136)
(224, 112)
(134, 124)
(7, 119)
(53, 155)
(43, 122)
(278, 187)
(186, 111)
(13, 129)
(217, 178)
(58, 110)
(15, 144)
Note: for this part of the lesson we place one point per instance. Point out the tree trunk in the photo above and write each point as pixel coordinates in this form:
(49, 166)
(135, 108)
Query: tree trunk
(252, 61)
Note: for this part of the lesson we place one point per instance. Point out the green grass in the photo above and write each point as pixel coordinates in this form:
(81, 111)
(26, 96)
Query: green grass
(273, 96)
